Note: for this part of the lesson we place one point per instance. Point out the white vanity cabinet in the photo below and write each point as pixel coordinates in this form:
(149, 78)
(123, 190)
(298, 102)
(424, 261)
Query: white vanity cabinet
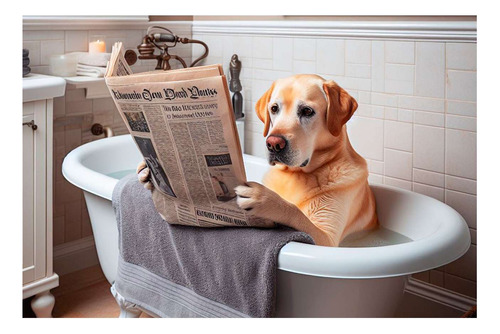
(37, 119)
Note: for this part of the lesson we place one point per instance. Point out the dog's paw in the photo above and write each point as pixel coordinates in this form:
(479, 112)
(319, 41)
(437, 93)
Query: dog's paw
(144, 175)
(257, 199)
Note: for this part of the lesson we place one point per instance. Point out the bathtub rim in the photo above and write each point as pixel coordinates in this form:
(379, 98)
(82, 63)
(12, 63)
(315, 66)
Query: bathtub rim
(340, 262)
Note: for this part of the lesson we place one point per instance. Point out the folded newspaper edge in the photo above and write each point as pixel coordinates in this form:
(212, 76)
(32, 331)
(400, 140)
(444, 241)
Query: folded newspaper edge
(183, 124)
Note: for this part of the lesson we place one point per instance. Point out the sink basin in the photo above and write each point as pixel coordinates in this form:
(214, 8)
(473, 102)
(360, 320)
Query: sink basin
(42, 87)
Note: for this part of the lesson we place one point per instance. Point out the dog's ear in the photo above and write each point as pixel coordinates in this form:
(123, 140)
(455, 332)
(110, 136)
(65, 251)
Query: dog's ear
(262, 110)
(340, 106)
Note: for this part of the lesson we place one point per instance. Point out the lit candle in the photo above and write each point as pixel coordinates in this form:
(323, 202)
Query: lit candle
(97, 47)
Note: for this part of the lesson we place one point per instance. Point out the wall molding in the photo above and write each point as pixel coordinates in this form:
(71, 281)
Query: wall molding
(95, 22)
(440, 295)
(438, 31)
(75, 255)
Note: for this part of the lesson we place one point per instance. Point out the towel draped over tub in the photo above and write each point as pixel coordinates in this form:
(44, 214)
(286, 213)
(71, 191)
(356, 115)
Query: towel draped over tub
(184, 271)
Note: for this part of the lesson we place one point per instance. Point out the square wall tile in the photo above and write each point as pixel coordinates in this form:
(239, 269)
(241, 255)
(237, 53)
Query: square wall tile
(391, 113)
(400, 52)
(429, 118)
(304, 66)
(428, 148)
(465, 204)
(330, 56)
(405, 115)
(76, 40)
(461, 158)
(398, 135)
(430, 69)
(50, 48)
(399, 79)
(461, 108)
(461, 56)
(461, 123)
(398, 164)
(358, 51)
(369, 146)
(399, 72)
(304, 49)
(461, 184)
(358, 70)
(461, 85)
(282, 54)
(262, 47)
(429, 178)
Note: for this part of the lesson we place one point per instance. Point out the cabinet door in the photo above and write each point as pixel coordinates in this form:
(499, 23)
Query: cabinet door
(28, 198)
(34, 192)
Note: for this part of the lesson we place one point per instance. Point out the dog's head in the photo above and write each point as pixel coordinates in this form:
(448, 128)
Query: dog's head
(302, 114)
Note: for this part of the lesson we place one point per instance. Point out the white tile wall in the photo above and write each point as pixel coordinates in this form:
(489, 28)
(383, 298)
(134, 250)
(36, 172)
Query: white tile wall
(430, 69)
(416, 120)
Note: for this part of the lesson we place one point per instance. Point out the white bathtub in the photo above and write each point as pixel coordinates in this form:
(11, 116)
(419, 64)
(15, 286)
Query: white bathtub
(313, 281)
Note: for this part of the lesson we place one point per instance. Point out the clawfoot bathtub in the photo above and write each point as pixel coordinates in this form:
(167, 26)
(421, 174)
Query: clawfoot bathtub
(365, 277)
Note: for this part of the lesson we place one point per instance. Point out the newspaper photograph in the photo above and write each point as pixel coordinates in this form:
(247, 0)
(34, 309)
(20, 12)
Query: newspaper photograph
(183, 124)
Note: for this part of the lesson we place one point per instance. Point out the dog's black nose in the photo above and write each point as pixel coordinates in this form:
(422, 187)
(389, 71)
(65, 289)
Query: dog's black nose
(275, 143)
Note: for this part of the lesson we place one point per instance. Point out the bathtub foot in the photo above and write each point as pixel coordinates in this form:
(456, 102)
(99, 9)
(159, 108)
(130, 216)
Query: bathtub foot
(127, 309)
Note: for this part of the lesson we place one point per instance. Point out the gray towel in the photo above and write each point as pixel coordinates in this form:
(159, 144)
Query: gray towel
(184, 271)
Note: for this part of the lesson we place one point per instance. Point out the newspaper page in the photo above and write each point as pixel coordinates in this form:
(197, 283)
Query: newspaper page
(183, 124)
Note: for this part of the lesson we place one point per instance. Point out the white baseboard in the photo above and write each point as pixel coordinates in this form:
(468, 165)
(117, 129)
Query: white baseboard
(75, 255)
(440, 297)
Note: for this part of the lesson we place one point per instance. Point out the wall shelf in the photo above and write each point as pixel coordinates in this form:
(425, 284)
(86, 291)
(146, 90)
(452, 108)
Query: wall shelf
(95, 88)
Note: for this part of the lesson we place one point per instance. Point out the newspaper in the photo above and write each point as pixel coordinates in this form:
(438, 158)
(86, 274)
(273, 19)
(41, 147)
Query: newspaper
(183, 124)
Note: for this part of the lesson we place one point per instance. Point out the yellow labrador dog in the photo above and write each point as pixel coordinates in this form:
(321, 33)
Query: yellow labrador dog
(318, 184)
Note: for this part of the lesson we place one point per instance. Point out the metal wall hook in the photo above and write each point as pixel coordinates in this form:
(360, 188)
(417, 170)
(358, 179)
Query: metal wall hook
(31, 124)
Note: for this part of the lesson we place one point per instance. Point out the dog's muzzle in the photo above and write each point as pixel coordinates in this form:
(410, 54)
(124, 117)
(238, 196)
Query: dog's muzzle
(279, 150)
(276, 144)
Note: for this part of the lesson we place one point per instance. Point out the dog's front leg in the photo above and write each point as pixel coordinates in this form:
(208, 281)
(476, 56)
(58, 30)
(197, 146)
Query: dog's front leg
(265, 203)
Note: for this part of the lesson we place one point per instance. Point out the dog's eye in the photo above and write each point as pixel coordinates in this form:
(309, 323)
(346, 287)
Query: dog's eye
(306, 112)
(274, 108)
